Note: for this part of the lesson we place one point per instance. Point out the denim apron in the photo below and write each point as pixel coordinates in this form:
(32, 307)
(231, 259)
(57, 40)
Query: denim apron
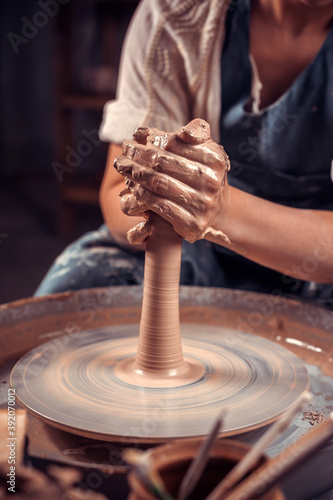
(282, 153)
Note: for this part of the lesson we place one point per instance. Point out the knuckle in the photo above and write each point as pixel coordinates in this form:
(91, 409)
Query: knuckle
(166, 210)
(123, 165)
(137, 174)
(159, 185)
(139, 192)
(208, 203)
(128, 149)
(146, 155)
(162, 161)
(202, 204)
(200, 224)
(212, 186)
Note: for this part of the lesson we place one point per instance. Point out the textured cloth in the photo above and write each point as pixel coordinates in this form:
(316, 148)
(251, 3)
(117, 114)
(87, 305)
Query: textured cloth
(186, 35)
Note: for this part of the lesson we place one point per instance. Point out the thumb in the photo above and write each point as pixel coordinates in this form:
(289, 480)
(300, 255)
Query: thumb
(139, 233)
(195, 132)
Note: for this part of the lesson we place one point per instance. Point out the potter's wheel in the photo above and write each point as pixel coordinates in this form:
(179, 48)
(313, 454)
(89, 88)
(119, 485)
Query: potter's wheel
(302, 328)
(74, 383)
(163, 378)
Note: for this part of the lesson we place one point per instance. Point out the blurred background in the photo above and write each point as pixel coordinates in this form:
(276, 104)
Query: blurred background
(59, 65)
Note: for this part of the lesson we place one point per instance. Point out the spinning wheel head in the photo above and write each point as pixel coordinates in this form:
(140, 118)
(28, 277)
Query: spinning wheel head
(73, 384)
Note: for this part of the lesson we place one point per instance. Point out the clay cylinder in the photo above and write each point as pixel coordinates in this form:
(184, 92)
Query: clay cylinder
(159, 347)
(173, 460)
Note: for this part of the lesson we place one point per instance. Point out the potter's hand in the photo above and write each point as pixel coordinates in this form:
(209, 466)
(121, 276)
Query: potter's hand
(180, 176)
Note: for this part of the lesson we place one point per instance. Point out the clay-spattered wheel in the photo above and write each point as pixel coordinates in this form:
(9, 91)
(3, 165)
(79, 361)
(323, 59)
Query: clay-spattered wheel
(129, 383)
(72, 384)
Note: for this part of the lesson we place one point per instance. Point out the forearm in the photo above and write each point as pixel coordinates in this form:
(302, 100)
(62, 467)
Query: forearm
(295, 242)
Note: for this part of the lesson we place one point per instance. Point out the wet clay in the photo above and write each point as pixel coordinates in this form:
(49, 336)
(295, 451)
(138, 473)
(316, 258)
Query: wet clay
(159, 360)
(159, 352)
(180, 176)
(159, 346)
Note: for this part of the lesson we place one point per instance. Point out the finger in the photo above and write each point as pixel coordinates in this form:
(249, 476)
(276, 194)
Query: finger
(195, 132)
(130, 205)
(145, 154)
(208, 153)
(192, 148)
(172, 189)
(123, 165)
(183, 222)
(141, 134)
(161, 184)
(139, 233)
(192, 173)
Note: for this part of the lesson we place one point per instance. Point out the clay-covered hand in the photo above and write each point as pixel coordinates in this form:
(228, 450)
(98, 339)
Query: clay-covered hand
(180, 176)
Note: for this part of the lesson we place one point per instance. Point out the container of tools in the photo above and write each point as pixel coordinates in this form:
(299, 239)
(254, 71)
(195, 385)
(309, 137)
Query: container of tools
(168, 464)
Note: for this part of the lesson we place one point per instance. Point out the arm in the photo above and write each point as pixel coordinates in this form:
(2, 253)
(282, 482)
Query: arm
(295, 242)
(185, 183)
(112, 184)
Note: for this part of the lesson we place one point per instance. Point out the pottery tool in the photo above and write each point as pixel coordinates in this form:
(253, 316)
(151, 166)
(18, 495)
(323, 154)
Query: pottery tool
(142, 465)
(271, 472)
(252, 457)
(200, 461)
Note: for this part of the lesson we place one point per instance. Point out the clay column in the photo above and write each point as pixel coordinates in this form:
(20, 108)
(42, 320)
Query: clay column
(159, 348)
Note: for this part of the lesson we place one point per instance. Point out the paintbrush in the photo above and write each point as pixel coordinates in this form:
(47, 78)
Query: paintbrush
(272, 471)
(251, 458)
(141, 462)
(199, 462)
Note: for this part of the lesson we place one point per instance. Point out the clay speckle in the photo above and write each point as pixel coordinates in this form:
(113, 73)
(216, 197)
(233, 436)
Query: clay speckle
(314, 416)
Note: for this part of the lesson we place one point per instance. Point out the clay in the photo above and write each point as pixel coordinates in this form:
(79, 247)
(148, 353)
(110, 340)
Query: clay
(159, 346)
(159, 361)
(313, 416)
(180, 176)
(159, 351)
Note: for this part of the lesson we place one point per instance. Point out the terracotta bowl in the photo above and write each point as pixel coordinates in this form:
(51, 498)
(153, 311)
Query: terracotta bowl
(172, 460)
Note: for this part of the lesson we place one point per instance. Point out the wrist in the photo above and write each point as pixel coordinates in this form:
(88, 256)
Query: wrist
(227, 222)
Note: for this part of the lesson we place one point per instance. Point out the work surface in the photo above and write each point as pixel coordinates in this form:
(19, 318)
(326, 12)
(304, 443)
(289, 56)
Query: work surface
(304, 329)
